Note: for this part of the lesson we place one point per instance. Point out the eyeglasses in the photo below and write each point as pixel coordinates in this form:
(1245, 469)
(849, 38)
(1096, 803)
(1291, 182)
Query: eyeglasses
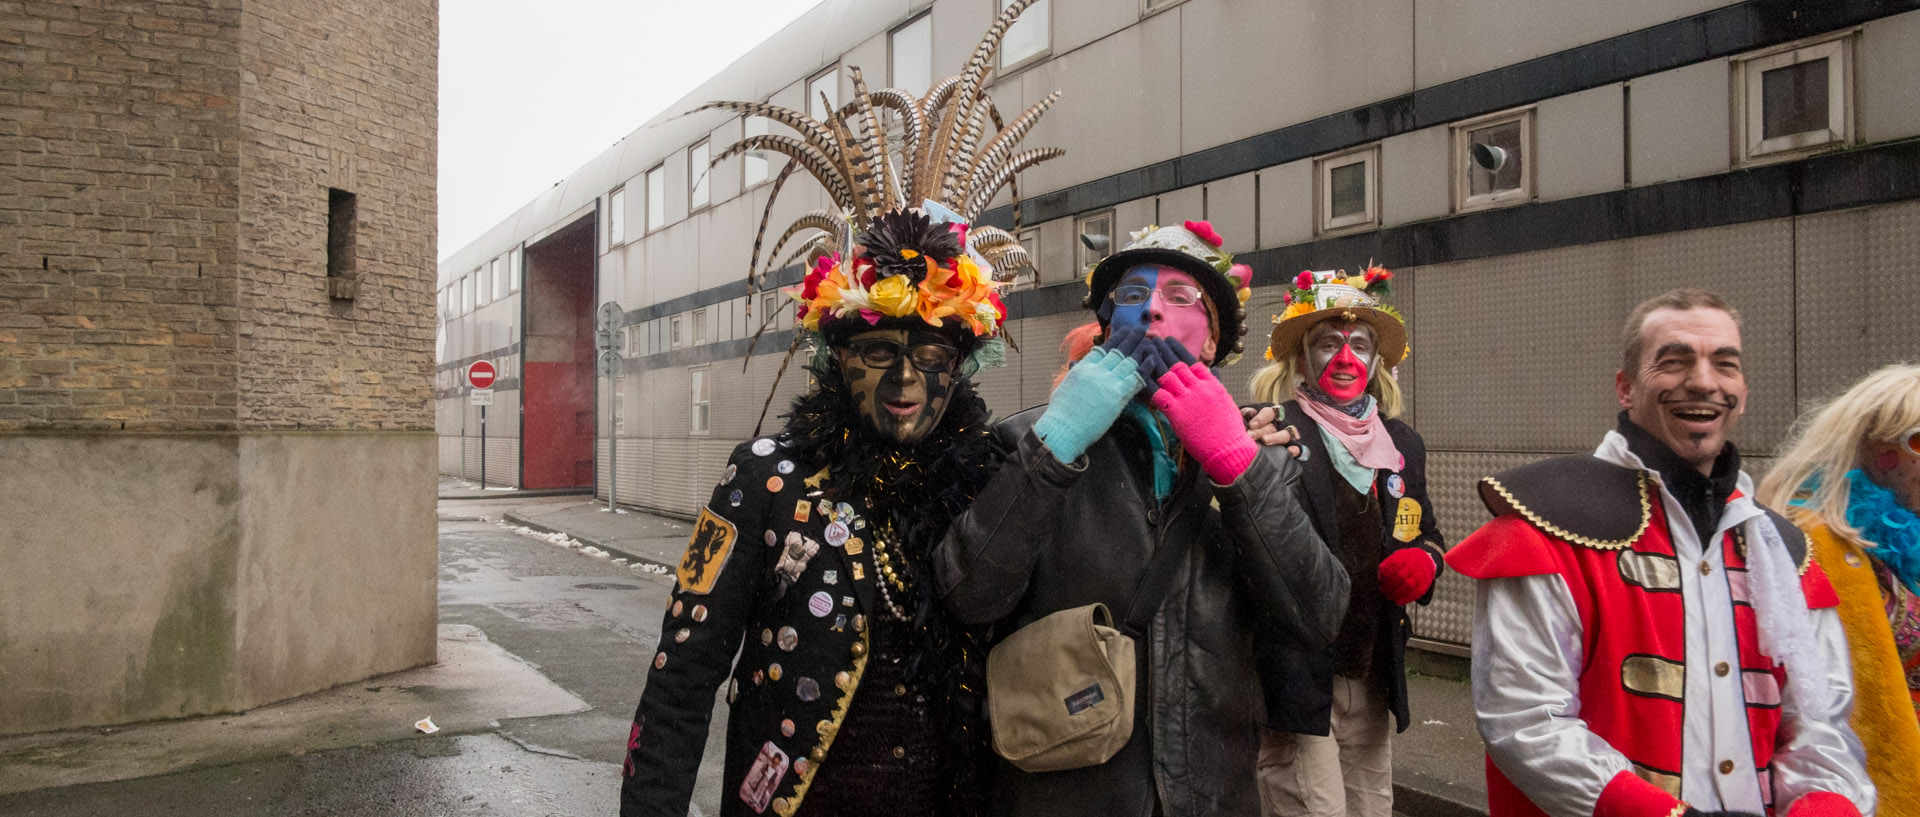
(927, 357)
(1172, 294)
(1912, 438)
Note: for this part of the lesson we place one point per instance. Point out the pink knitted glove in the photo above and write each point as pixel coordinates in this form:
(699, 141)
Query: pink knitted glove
(1206, 420)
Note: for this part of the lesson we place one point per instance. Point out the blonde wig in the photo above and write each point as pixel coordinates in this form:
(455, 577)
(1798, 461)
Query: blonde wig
(1832, 440)
(1277, 382)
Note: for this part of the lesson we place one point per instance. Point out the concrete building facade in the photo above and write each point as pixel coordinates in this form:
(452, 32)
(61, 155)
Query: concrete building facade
(1766, 150)
(216, 252)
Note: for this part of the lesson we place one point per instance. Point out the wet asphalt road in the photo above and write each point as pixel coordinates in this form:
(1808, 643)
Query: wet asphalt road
(586, 624)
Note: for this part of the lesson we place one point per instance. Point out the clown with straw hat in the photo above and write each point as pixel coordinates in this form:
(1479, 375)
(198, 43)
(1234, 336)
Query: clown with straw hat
(1331, 712)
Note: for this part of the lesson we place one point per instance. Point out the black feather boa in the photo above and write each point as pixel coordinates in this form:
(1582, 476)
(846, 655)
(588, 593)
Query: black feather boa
(919, 489)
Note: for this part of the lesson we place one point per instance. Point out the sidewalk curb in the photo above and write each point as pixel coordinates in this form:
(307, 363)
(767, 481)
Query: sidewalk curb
(517, 494)
(514, 518)
(1416, 793)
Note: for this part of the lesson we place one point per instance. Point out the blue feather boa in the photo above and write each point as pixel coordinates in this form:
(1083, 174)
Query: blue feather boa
(1891, 530)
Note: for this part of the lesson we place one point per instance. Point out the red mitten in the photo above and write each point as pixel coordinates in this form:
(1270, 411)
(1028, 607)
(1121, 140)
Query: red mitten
(1629, 796)
(1823, 804)
(1407, 574)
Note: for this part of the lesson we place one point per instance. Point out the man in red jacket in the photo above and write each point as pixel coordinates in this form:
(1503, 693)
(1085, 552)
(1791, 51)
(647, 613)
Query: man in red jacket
(1649, 641)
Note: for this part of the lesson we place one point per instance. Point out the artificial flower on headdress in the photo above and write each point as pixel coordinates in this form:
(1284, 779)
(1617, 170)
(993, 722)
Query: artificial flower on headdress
(910, 266)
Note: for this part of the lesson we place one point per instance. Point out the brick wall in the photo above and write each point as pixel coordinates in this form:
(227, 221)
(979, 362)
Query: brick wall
(164, 176)
(118, 236)
(337, 95)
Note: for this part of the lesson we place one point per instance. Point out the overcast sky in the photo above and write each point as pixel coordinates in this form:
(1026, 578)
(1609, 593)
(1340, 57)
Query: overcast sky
(530, 91)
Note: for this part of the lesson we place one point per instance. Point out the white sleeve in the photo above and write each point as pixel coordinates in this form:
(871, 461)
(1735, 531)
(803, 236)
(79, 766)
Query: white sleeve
(1813, 754)
(1526, 658)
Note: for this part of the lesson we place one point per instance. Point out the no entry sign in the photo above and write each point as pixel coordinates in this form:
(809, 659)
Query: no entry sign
(481, 374)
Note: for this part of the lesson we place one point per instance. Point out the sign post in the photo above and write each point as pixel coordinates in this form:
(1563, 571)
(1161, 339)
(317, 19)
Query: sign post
(606, 332)
(480, 375)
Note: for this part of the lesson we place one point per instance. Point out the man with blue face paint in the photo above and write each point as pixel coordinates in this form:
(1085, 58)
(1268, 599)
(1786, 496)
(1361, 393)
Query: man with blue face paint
(1142, 461)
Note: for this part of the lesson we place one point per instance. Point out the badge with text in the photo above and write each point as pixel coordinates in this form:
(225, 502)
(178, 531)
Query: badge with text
(763, 778)
(707, 551)
(1406, 520)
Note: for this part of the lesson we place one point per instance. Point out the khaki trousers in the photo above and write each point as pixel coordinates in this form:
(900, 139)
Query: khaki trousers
(1348, 773)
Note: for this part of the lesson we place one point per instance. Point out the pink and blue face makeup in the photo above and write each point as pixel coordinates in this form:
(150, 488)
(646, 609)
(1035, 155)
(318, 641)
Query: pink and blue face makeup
(1176, 308)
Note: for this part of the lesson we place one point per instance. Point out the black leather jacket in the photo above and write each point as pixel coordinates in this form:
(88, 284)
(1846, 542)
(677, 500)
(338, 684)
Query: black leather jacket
(1299, 683)
(1044, 536)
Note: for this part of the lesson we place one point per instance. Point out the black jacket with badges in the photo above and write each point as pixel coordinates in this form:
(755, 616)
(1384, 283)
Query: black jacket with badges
(1299, 683)
(783, 557)
(1044, 536)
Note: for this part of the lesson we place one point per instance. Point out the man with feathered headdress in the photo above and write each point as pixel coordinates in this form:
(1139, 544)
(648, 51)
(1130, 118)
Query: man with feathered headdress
(853, 692)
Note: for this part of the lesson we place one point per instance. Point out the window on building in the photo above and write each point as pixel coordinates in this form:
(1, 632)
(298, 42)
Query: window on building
(1029, 37)
(616, 217)
(770, 306)
(441, 308)
(1151, 6)
(702, 404)
(483, 285)
(823, 94)
(1029, 241)
(1348, 190)
(677, 331)
(1794, 101)
(700, 325)
(910, 52)
(467, 286)
(656, 198)
(343, 215)
(1093, 239)
(500, 278)
(697, 195)
(513, 270)
(1493, 161)
(753, 162)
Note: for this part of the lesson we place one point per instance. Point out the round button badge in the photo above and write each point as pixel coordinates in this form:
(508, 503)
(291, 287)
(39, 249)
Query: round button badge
(820, 604)
(762, 447)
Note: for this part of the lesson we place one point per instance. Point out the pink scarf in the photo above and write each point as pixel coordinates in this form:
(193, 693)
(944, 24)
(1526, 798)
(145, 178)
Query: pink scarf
(1366, 439)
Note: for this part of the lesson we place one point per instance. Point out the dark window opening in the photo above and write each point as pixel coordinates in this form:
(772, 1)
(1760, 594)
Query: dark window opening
(341, 218)
(1349, 183)
(1794, 99)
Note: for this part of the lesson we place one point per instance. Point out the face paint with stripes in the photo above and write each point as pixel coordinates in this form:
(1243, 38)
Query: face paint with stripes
(898, 398)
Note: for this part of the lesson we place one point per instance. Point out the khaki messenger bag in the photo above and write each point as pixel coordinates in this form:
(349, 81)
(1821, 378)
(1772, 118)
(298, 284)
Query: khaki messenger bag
(1060, 690)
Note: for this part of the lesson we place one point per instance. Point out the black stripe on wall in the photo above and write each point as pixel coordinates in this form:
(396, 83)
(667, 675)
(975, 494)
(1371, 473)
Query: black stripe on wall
(1881, 174)
(1722, 32)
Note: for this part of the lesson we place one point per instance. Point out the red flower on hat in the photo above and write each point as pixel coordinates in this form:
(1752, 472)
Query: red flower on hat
(1241, 274)
(1378, 274)
(1286, 297)
(1304, 280)
(1204, 230)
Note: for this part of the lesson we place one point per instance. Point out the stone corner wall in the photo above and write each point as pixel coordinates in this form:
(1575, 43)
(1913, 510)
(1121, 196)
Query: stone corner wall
(338, 96)
(118, 226)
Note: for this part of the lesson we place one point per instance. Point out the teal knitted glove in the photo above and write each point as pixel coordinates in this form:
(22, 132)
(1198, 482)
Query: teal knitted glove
(1088, 400)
